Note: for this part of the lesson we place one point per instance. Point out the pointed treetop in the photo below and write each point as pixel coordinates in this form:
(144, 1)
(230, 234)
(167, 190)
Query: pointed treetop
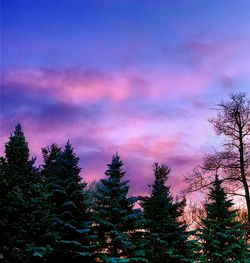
(217, 181)
(69, 151)
(16, 149)
(68, 144)
(115, 168)
(69, 156)
(216, 191)
(18, 129)
(68, 147)
(161, 172)
(221, 235)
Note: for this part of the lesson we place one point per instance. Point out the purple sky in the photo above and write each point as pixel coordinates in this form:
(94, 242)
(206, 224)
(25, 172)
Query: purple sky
(137, 77)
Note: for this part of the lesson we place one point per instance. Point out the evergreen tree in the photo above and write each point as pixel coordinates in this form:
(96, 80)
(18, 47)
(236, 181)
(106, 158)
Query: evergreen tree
(221, 237)
(166, 239)
(50, 154)
(68, 209)
(115, 217)
(21, 197)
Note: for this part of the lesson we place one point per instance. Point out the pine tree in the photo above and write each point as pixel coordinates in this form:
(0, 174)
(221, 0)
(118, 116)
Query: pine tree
(68, 211)
(166, 239)
(221, 237)
(21, 198)
(115, 217)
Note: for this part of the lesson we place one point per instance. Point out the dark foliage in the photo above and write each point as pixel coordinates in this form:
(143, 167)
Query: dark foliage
(222, 237)
(71, 238)
(166, 239)
(47, 215)
(22, 217)
(115, 217)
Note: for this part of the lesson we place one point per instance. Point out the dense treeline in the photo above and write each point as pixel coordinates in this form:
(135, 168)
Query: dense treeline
(49, 214)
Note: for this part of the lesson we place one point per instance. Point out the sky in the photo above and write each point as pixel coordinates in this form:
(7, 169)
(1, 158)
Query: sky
(137, 77)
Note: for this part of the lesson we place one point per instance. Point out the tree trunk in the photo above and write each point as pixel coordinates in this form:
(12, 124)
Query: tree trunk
(243, 176)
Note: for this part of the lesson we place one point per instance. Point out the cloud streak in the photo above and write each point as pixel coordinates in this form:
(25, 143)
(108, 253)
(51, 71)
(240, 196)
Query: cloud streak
(101, 113)
(140, 80)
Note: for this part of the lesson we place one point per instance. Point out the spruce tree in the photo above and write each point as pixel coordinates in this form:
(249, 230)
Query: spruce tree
(166, 239)
(21, 198)
(221, 237)
(50, 154)
(115, 217)
(68, 208)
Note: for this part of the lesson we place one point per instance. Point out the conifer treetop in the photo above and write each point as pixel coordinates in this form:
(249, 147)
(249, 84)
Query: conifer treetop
(221, 236)
(17, 147)
(161, 172)
(115, 168)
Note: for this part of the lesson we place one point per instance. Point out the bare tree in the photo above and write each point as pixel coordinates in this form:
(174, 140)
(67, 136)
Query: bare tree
(242, 217)
(232, 161)
(194, 213)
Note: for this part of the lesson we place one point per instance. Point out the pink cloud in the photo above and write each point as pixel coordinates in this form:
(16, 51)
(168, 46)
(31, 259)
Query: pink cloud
(74, 86)
(146, 115)
(85, 86)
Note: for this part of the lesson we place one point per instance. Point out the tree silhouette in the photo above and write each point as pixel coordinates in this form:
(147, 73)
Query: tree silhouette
(233, 160)
(115, 217)
(222, 237)
(21, 198)
(68, 207)
(166, 239)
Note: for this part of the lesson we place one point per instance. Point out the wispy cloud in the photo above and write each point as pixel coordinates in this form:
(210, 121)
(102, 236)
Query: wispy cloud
(102, 113)
(146, 79)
